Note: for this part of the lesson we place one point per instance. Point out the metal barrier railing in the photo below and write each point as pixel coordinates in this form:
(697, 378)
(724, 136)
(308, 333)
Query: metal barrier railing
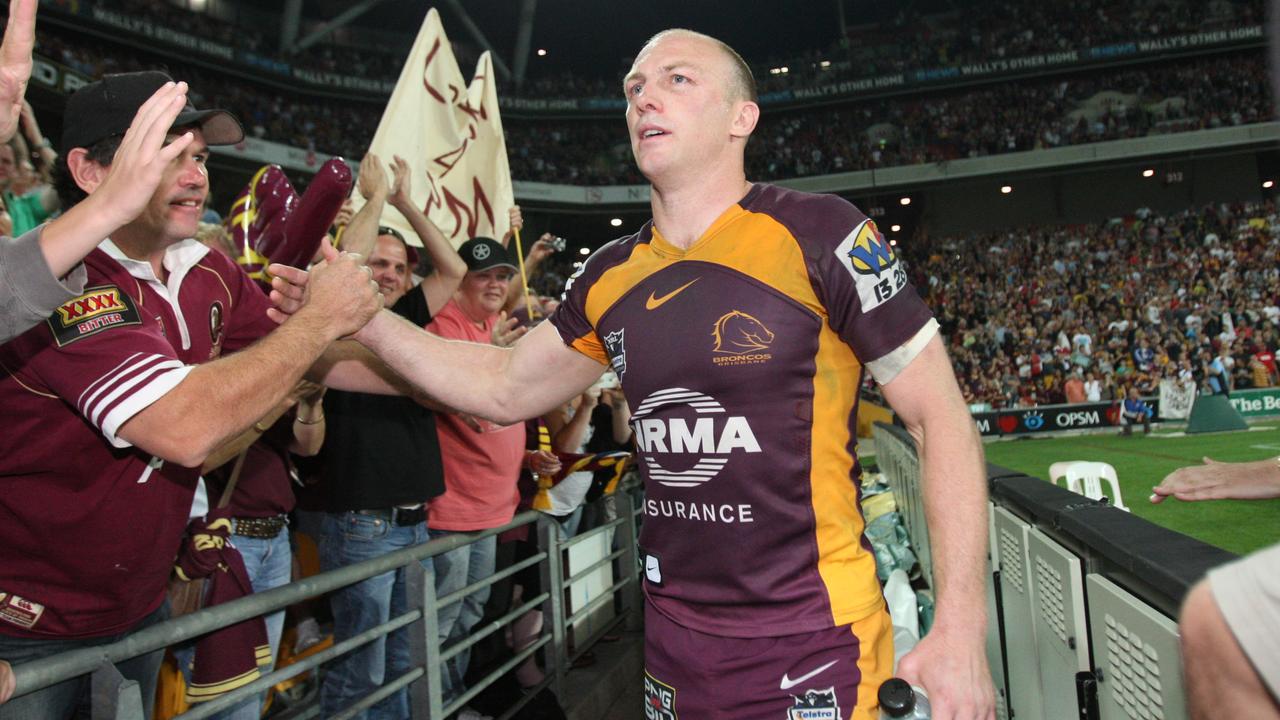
(121, 699)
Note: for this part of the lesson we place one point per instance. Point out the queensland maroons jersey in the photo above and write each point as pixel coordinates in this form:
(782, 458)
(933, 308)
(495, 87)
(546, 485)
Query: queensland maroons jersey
(89, 525)
(741, 359)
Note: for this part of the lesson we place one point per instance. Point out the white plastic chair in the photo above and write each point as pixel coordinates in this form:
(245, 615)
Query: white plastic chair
(1085, 478)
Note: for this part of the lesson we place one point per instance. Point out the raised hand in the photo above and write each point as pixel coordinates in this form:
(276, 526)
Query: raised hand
(143, 157)
(373, 179)
(543, 248)
(15, 64)
(345, 213)
(505, 333)
(401, 194)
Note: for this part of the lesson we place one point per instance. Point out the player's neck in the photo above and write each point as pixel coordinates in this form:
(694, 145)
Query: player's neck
(682, 211)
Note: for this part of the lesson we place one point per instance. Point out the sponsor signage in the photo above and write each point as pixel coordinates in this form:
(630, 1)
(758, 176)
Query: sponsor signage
(1256, 403)
(1056, 418)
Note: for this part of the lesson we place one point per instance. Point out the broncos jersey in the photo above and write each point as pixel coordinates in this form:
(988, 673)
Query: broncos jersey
(741, 359)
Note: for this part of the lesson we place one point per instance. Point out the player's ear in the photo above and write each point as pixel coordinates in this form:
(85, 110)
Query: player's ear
(745, 116)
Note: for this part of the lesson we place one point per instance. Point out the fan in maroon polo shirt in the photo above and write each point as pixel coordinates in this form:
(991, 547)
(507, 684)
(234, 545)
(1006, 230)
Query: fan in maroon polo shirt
(114, 401)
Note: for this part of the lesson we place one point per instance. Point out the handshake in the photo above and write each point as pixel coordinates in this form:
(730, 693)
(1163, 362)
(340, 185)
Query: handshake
(338, 294)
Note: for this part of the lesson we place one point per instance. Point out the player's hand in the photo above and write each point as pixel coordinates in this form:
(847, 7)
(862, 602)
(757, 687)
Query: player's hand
(952, 668)
(505, 333)
(142, 157)
(288, 290)
(341, 292)
(1218, 480)
(15, 64)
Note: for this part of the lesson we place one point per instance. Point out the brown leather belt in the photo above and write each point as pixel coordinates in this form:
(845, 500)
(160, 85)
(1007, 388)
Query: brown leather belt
(262, 528)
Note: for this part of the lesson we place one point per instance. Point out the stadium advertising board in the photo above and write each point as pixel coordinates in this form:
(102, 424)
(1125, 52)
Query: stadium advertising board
(1053, 418)
(1256, 403)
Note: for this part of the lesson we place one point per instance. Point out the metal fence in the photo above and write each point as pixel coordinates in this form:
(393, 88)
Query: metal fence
(114, 697)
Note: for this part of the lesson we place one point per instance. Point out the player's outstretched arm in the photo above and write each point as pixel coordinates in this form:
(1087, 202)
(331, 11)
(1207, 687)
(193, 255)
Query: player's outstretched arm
(950, 662)
(505, 385)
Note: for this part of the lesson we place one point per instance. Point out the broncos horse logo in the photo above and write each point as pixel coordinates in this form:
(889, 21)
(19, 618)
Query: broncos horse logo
(737, 333)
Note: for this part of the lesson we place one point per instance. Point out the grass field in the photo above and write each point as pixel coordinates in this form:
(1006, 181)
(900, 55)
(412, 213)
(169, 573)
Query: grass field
(1141, 462)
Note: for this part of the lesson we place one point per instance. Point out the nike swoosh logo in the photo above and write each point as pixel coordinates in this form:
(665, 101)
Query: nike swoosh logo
(788, 683)
(653, 303)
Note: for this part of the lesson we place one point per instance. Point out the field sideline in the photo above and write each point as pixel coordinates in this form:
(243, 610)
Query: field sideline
(1141, 462)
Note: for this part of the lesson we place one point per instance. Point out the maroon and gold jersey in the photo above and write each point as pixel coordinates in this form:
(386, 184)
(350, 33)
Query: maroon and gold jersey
(741, 359)
(89, 525)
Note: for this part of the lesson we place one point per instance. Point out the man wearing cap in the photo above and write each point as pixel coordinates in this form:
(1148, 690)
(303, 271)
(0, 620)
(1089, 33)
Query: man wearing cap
(481, 459)
(381, 460)
(118, 397)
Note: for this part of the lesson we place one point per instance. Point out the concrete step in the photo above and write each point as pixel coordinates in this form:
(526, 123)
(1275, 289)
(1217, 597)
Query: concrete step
(612, 688)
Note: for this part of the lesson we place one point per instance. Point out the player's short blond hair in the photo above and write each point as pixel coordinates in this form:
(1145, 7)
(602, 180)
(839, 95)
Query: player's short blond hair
(742, 82)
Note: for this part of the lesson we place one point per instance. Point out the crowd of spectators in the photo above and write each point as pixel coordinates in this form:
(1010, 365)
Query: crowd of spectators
(916, 37)
(1207, 92)
(1045, 315)
(1197, 94)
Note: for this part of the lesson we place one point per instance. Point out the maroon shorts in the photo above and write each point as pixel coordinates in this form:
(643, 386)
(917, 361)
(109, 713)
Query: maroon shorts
(831, 674)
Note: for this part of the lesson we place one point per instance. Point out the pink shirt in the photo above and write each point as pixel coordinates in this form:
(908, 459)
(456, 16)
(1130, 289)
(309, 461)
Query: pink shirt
(480, 468)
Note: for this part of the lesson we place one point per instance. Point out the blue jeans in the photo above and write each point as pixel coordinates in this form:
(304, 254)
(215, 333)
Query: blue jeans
(269, 564)
(455, 570)
(60, 701)
(349, 538)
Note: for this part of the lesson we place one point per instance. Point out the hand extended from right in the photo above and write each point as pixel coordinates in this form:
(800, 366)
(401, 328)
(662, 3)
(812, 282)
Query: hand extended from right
(143, 157)
(1215, 480)
(341, 292)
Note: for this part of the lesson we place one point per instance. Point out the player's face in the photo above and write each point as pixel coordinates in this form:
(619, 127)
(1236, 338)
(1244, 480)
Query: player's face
(390, 266)
(484, 292)
(178, 202)
(678, 112)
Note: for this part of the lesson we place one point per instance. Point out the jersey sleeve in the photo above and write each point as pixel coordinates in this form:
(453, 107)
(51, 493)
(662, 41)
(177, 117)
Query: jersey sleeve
(862, 283)
(570, 318)
(100, 355)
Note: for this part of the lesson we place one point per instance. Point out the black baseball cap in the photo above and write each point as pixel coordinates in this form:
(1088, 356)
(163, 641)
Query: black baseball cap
(106, 108)
(482, 253)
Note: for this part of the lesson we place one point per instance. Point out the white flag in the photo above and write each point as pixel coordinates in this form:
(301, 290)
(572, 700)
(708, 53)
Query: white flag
(450, 132)
(1176, 399)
